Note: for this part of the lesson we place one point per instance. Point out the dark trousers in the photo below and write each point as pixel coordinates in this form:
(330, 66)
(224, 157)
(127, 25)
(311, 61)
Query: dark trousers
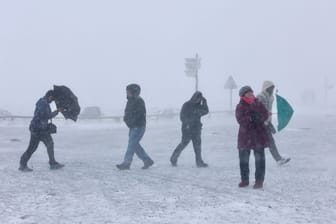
(260, 164)
(188, 136)
(35, 139)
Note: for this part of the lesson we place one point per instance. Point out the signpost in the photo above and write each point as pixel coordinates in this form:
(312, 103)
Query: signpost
(231, 85)
(192, 66)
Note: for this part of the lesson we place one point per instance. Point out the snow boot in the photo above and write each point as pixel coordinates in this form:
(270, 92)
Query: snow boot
(258, 185)
(202, 164)
(56, 166)
(243, 184)
(283, 161)
(123, 166)
(25, 169)
(173, 161)
(148, 164)
(174, 157)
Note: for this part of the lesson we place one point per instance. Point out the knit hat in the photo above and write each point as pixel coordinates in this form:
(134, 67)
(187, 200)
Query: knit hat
(244, 90)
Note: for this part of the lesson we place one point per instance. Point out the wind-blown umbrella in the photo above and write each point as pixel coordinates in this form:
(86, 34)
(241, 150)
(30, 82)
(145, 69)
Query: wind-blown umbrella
(65, 99)
(285, 112)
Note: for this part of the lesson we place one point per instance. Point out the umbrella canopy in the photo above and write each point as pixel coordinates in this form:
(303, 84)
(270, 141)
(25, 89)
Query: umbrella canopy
(65, 99)
(285, 112)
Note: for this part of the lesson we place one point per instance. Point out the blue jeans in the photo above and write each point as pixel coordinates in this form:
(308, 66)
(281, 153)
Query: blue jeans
(135, 136)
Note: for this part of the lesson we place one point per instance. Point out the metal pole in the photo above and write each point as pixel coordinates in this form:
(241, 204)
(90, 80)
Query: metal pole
(196, 80)
(230, 99)
(196, 77)
(325, 90)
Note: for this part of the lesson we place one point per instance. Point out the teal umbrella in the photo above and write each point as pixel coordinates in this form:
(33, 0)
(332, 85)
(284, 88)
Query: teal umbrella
(285, 112)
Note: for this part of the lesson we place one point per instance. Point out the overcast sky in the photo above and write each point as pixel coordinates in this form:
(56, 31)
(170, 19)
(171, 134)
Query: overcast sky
(98, 47)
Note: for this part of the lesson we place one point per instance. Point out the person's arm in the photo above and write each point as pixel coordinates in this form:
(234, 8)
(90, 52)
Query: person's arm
(44, 111)
(53, 114)
(128, 114)
(262, 99)
(260, 113)
(184, 114)
(263, 112)
(243, 116)
(135, 112)
(204, 109)
(140, 110)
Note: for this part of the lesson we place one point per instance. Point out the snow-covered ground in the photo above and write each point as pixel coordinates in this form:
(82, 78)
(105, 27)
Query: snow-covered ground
(90, 189)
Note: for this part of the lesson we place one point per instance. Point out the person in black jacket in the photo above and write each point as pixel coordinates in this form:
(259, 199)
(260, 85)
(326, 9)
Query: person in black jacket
(39, 132)
(135, 119)
(190, 115)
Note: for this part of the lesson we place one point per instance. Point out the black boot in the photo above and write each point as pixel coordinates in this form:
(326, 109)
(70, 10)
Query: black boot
(176, 154)
(173, 160)
(123, 166)
(199, 161)
(201, 164)
(56, 166)
(148, 164)
(25, 168)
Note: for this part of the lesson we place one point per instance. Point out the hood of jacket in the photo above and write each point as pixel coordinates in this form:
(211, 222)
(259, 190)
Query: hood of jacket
(196, 97)
(266, 85)
(135, 89)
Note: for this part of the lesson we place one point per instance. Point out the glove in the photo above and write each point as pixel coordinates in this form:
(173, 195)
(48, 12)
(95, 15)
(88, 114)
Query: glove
(271, 128)
(255, 117)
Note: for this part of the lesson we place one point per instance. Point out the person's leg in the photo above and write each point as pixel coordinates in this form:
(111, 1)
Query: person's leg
(260, 165)
(244, 158)
(273, 148)
(139, 150)
(49, 143)
(183, 144)
(33, 145)
(135, 135)
(197, 144)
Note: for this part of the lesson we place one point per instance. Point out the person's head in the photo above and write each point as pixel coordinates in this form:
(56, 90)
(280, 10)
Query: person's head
(246, 91)
(197, 97)
(268, 87)
(50, 96)
(133, 91)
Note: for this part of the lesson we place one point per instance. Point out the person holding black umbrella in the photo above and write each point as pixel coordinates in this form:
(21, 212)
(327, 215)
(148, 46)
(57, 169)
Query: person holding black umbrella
(40, 131)
(135, 119)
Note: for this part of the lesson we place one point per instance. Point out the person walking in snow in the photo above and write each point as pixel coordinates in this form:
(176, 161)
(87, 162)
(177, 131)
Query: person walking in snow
(266, 97)
(135, 119)
(40, 132)
(190, 115)
(251, 115)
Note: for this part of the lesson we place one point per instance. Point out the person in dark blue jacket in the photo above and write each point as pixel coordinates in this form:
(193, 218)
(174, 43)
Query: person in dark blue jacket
(39, 132)
(135, 119)
(190, 115)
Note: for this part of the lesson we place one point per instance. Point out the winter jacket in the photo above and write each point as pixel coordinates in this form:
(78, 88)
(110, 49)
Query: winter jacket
(42, 115)
(135, 112)
(252, 130)
(266, 99)
(191, 113)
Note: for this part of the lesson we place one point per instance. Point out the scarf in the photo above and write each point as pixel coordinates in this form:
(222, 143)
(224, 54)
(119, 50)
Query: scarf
(248, 100)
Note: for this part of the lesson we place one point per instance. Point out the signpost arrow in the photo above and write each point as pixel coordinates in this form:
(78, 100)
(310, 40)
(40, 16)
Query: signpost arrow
(230, 85)
(192, 66)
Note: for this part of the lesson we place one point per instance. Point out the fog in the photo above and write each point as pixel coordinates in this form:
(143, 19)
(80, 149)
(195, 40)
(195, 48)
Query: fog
(98, 47)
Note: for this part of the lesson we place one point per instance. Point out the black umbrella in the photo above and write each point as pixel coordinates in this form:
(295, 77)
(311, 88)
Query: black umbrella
(65, 99)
